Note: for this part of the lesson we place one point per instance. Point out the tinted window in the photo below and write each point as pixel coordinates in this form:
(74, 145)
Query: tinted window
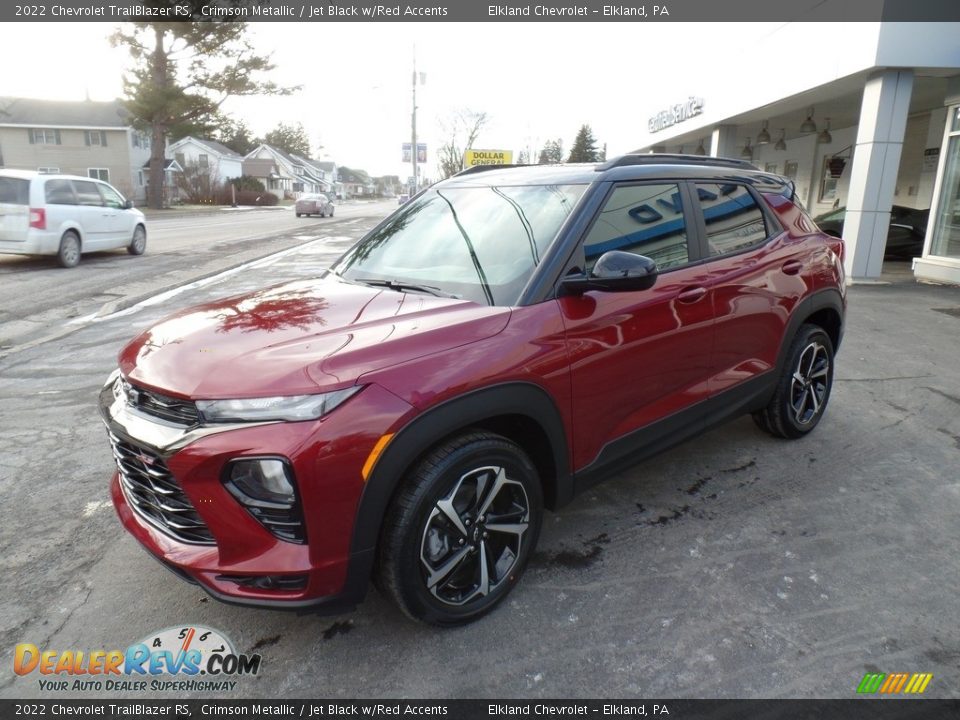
(87, 193)
(14, 191)
(478, 243)
(642, 219)
(111, 197)
(733, 218)
(59, 192)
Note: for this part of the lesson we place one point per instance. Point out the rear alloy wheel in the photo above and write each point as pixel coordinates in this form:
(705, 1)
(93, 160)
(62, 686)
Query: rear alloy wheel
(69, 253)
(138, 245)
(804, 386)
(460, 533)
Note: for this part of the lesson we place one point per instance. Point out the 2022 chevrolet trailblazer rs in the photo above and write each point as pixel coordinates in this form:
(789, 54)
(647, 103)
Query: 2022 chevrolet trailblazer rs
(501, 342)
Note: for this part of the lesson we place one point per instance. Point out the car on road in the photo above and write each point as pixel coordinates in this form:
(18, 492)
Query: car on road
(66, 216)
(908, 228)
(402, 199)
(314, 204)
(490, 350)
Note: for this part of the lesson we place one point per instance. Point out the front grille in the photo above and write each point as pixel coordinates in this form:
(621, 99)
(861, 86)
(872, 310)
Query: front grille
(182, 412)
(155, 495)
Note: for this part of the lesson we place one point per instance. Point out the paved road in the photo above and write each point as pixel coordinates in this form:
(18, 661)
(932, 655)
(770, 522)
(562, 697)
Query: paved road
(37, 297)
(733, 566)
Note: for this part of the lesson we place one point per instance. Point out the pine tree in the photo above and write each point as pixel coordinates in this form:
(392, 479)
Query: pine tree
(289, 138)
(584, 148)
(552, 152)
(182, 72)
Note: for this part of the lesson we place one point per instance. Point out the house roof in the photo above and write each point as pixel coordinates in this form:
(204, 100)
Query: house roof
(259, 167)
(325, 165)
(167, 165)
(85, 113)
(213, 146)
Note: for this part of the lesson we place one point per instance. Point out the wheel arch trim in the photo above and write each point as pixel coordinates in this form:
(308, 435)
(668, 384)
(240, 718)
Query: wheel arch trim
(445, 419)
(826, 299)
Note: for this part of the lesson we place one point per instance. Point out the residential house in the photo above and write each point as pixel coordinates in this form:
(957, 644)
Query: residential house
(93, 139)
(284, 174)
(205, 166)
(388, 185)
(356, 183)
(207, 157)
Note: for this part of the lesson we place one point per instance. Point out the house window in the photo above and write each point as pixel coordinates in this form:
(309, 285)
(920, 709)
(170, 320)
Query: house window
(140, 178)
(99, 174)
(48, 170)
(298, 187)
(41, 136)
(203, 161)
(95, 138)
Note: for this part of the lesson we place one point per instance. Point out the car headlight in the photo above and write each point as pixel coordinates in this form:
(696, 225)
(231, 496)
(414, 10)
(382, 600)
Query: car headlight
(290, 408)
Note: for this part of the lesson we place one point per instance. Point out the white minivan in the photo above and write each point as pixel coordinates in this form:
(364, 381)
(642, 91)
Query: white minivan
(65, 215)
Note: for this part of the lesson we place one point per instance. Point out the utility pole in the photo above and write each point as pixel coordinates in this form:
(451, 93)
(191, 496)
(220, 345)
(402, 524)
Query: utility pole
(413, 126)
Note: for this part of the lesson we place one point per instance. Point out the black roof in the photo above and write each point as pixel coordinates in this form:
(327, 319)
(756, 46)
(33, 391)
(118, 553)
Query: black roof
(626, 167)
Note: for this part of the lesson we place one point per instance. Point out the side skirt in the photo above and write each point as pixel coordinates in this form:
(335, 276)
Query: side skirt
(628, 450)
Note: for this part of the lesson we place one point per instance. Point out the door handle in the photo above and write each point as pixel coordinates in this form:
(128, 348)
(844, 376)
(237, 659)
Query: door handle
(691, 295)
(792, 267)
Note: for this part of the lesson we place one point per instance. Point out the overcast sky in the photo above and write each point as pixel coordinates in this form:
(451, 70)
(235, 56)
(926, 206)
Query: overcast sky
(536, 81)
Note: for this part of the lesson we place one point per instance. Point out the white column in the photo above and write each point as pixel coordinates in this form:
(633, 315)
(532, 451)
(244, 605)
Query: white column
(876, 161)
(723, 142)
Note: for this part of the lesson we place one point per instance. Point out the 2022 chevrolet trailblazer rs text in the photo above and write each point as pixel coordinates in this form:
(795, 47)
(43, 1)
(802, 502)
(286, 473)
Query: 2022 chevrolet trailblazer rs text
(500, 343)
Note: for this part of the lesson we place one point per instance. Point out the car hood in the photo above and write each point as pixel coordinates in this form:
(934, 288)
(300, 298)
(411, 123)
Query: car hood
(299, 338)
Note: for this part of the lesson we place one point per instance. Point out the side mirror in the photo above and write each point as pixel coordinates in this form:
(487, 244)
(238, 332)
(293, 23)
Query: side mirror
(128, 204)
(615, 271)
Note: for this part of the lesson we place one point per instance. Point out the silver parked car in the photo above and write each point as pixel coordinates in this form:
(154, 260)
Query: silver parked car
(66, 215)
(316, 204)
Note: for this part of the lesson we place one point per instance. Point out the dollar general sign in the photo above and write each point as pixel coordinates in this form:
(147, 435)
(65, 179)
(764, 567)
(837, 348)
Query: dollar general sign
(487, 157)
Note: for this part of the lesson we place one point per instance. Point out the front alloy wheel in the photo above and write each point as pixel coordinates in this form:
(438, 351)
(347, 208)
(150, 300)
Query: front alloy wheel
(461, 530)
(474, 536)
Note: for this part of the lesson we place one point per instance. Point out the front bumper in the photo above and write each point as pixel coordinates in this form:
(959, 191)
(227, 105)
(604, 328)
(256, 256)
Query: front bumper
(327, 456)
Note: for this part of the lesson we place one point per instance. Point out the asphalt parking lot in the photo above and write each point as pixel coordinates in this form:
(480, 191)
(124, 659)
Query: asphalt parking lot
(733, 566)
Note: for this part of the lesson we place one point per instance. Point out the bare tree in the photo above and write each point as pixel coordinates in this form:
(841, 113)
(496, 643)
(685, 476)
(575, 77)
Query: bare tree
(462, 131)
(200, 184)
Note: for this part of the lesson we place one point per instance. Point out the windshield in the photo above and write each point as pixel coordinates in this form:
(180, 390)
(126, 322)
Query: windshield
(477, 243)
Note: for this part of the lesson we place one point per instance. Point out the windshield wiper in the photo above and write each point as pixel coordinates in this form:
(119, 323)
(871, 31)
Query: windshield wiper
(400, 286)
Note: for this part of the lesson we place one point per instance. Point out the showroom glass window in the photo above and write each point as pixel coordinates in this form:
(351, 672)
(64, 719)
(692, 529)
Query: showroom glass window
(946, 228)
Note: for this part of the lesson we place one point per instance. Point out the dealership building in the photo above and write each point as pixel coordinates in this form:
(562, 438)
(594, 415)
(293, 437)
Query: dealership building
(862, 116)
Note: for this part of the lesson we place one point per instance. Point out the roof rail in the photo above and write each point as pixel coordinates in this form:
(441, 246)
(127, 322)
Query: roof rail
(473, 169)
(676, 159)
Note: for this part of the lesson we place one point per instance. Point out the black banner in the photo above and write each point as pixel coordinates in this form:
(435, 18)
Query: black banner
(857, 709)
(483, 11)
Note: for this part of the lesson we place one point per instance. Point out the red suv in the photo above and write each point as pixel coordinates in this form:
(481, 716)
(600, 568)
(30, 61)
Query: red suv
(500, 343)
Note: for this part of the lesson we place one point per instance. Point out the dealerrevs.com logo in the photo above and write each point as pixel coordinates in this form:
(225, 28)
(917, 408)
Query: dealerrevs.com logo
(185, 653)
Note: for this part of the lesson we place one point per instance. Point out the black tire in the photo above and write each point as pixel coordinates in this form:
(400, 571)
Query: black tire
(299, 214)
(431, 564)
(138, 244)
(331, 211)
(69, 253)
(803, 389)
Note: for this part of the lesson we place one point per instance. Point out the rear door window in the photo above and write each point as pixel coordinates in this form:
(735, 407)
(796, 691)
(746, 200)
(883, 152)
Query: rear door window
(14, 191)
(59, 192)
(733, 219)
